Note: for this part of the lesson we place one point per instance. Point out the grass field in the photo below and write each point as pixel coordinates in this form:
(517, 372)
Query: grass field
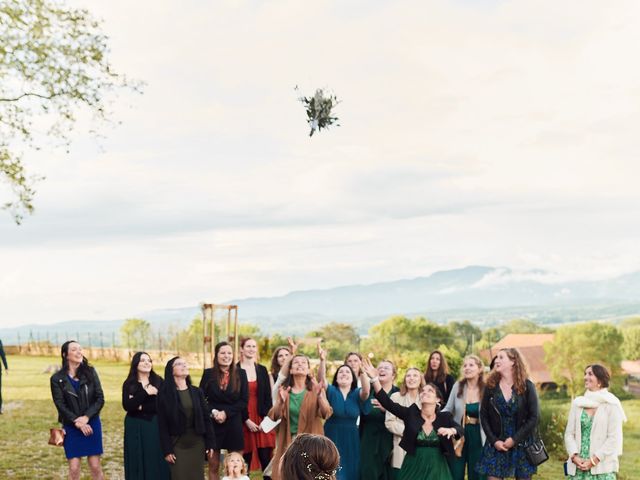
(29, 413)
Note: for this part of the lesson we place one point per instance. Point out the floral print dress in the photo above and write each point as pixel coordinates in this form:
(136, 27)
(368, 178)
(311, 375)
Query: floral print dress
(514, 462)
(586, 422)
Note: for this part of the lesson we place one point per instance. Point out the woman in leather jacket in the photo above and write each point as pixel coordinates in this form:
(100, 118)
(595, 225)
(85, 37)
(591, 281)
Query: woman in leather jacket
(77, 395)
(509, 415)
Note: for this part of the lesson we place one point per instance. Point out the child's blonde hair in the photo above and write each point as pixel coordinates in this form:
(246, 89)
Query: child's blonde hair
(227, 457)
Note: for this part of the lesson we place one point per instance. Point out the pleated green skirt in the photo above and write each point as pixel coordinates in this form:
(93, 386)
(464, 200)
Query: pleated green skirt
(143, 459)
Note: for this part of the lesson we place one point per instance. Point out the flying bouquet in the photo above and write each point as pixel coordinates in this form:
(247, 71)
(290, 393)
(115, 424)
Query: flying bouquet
(318, 109)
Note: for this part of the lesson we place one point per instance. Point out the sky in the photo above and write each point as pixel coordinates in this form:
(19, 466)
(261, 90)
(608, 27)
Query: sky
(487, 132)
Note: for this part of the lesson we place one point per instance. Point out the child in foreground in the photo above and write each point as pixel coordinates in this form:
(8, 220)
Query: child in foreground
(234, 467)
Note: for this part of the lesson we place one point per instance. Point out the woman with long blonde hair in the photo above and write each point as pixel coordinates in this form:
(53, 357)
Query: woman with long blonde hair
(509, 415)
(464, 405)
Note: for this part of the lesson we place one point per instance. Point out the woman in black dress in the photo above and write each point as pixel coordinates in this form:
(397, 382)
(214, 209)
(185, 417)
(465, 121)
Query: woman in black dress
(186, 433)
(77, 395)
(437, 372)
(143, 457)
(226, 390)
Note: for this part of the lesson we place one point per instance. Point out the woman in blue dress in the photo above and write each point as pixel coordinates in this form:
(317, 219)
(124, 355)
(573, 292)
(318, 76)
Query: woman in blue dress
(347, 401)
(509, 416)
(77, 395)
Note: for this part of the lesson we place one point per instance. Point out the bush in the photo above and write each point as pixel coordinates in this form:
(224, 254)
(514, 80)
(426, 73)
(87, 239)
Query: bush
(553, 420)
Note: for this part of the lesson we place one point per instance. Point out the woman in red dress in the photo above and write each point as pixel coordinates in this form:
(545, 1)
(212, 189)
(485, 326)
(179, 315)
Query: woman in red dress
(258, 446)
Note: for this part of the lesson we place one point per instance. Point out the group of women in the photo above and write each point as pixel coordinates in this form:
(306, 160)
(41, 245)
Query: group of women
(431, 428)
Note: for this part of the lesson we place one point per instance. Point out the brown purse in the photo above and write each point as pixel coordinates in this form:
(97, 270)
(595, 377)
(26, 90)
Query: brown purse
(56, 437)
(458, 444)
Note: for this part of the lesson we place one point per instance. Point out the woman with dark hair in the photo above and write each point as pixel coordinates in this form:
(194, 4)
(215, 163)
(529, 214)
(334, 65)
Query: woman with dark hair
(77, 395)
(376, 442)
(257, 444)
(593, 436)
(347, 401)
(464, 405)
(428, 434)
(301, 405)
(186, 433)
(143, 457)
(409, 394)
(509, 415)
(279, 358)
(437, 372)
(226, 390)
(310, 457)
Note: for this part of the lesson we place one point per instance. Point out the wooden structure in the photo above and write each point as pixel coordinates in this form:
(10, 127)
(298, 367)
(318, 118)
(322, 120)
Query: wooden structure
(219, 323)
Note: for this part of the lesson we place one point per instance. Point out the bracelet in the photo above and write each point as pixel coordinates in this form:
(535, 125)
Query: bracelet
(374, 379)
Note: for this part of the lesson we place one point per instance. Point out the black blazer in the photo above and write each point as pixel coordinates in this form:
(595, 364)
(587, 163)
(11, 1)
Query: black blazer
(172, 423)
(413, 422)
(265, 402)
(232, 403)
(526, 418)
(137, 402)
(70, 405)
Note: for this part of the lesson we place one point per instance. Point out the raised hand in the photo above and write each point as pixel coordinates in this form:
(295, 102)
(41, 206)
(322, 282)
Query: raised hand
(284, 393)
(293, 346)
(368, 368)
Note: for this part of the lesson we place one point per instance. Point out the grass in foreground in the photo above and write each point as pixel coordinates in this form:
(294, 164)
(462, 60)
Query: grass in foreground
(29, 413)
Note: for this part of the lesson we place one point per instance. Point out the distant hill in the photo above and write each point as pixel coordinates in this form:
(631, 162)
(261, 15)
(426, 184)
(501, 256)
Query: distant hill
(484, 295)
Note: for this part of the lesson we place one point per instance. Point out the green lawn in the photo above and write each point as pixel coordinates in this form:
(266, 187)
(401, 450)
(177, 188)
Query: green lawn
(29, 413)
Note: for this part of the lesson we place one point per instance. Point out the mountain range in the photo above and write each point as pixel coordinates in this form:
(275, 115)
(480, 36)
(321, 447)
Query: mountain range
(483, 295)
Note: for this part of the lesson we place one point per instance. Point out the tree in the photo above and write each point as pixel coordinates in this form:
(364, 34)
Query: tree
(517, 325)
(631, 345)
(53, 63)
(576, 346)
(339, 339)
(465, 334)
(135, 333)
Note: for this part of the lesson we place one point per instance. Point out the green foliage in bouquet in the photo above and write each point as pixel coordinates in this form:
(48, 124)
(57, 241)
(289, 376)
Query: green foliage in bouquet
(318, 109)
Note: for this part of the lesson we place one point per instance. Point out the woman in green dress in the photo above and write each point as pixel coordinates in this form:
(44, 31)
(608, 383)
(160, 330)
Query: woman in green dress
(376, 442)
(186, 433)
(428, 432)
(593, 437)
(464, 405)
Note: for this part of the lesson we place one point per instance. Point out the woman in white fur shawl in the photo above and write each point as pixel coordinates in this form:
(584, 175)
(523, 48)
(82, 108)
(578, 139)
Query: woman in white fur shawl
(593, 437)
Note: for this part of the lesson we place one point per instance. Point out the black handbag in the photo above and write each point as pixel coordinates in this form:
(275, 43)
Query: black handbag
(536, 452)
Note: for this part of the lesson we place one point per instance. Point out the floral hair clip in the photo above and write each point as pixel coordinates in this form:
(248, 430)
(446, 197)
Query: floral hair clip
(319, 475)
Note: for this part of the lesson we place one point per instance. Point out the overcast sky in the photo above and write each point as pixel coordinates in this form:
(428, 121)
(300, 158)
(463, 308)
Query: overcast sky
(472, 132)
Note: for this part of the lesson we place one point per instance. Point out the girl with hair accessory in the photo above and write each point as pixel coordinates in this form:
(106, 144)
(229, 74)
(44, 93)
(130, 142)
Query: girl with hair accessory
(77, 395)
(428, 433)
(234, 467)
(437, 372)
(464, 405)
(258, 446)
(593, 437)
(301, 406)
(409, 394)
(143, 457)
(186, 434)
(376, 442)
(227, 393)
(310, 457)
(509, 415)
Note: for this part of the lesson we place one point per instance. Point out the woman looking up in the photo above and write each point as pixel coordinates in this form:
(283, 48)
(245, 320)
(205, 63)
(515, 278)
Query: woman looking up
(257, 444)
(409, 394)
(186, 434)
(376, 442)
(593, 436)
(77, 395)
(509, 415)
(428, 432)
(143, 457)
(226, 391)
(437, 372)
(464, 405)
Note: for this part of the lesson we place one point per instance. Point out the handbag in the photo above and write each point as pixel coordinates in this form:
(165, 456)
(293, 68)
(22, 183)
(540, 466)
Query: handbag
(56, 437)
(458, 444)
(536, 452)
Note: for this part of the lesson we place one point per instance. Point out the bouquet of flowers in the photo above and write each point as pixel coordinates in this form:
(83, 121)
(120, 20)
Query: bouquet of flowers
(318, 109)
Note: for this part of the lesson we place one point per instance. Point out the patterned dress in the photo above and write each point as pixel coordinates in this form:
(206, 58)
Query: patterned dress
(514, 462)
(586, 422)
